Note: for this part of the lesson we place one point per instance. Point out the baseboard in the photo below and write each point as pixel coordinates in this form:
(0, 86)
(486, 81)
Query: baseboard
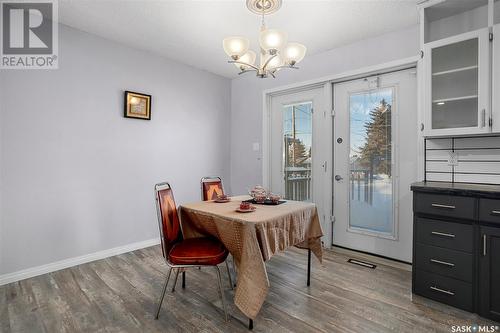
(70, 262)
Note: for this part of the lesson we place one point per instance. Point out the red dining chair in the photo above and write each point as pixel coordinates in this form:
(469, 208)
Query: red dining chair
(211, 187)
(179, 253)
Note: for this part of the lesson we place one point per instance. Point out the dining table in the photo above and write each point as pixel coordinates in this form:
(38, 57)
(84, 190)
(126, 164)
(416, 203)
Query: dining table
(253, 238)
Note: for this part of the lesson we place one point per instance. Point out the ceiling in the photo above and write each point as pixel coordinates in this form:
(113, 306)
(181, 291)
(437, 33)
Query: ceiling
(191, 32)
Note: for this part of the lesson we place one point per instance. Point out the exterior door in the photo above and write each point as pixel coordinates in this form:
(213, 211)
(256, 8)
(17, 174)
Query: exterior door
(298, 148)
(375, 155)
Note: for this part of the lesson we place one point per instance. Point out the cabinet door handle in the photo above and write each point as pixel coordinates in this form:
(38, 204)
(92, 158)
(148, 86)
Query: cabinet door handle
(495, 212)
(484, 245)
(447, 292)
(443, 206)
(442, 234)
(449, 264)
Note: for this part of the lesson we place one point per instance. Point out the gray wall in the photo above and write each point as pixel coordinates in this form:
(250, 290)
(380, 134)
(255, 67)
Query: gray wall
(76, 176)
(247, 93)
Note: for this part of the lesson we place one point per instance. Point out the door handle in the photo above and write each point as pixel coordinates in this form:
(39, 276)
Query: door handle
(443, 206)
(442, 263)
(437, 233)
(484, 245)
(447, 292)
(483, 117)
(338, 178)
(495, 212)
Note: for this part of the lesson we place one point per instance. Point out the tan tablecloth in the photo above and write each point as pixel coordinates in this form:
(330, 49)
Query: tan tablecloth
(253, 238)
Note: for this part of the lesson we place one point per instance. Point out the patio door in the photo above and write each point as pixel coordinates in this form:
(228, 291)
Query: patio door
(298, 147)
(375, 155)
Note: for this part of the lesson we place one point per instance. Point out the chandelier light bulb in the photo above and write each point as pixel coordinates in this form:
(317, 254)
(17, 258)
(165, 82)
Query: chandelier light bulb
(272, 40)
(294, 53)
(235, 46)
(248, 58)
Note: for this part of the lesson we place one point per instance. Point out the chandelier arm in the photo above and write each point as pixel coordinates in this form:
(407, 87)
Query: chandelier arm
(246, 71)
(268, 60)
(243, 63)
(287, 66)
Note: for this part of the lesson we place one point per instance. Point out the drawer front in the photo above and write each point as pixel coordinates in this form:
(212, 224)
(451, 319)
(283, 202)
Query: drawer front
(445, 205)
(444, 289)
(449, 235)
(451, 263)
(489, 210)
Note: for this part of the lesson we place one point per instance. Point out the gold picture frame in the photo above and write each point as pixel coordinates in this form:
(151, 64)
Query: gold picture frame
(137, 105)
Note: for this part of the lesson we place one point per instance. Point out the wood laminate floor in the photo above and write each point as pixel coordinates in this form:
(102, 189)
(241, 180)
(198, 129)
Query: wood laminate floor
(119, 294)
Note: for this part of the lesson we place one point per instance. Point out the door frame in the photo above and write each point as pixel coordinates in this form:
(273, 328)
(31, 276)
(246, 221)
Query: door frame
(327, 83)
(390, 80)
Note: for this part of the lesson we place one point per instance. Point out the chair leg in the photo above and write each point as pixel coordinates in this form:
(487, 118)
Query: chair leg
(234, 270)
(221, 292)
(163, 293)
(175, 281)
(229, 276)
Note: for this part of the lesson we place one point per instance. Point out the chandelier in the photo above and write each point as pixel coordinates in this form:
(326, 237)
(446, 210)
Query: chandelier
(275, 52)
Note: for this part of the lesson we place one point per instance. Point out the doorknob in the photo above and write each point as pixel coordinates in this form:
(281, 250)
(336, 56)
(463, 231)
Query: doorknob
(338, 178)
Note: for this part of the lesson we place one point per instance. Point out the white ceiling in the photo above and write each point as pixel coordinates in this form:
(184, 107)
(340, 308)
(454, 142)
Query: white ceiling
(192, 31)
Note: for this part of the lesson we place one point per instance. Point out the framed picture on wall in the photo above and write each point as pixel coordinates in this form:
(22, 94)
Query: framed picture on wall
(137, 105)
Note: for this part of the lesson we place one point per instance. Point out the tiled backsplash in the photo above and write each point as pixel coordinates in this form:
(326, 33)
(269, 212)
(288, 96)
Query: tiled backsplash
(478, 159)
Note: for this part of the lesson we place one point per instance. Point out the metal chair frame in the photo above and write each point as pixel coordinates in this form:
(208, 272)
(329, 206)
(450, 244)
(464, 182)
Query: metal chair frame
(179, 268)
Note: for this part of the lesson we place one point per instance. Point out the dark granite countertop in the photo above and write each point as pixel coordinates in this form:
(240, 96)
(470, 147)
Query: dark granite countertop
(463, 189)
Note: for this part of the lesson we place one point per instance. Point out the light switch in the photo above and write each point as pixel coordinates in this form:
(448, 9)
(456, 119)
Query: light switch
(256, 146)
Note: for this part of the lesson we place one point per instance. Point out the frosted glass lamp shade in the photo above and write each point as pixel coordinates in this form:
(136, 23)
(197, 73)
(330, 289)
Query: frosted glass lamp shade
(235, 46)
(294, 53)
(271, 39)
(273, 64)
(248, 58)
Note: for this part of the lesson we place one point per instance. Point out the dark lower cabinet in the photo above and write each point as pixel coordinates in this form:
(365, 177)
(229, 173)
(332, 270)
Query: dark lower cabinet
(489, 273)
(456, 246)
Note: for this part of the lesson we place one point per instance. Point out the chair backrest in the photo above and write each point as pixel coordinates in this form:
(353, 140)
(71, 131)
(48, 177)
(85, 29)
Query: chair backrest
(211, 187)
(168, 219)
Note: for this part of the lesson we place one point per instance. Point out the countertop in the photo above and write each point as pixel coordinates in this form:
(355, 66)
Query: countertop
(463, 189)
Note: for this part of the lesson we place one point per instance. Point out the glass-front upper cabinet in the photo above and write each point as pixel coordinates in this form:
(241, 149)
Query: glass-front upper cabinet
(457, 85)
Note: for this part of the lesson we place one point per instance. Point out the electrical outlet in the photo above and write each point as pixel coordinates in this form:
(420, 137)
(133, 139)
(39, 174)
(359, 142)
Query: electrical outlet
(453, 158)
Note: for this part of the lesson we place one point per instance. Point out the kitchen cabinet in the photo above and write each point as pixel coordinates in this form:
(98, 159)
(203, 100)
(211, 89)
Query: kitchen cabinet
(456, 245)
(457, 85)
